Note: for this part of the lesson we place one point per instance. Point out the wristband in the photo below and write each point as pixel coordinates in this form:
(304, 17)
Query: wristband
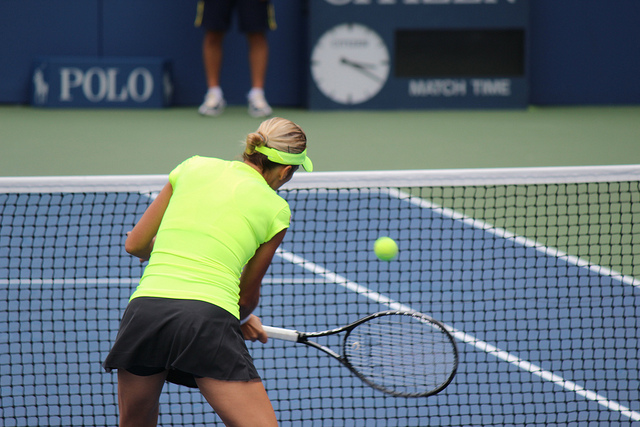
(245, 320)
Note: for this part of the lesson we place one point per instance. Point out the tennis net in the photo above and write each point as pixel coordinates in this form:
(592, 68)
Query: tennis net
(534, 271)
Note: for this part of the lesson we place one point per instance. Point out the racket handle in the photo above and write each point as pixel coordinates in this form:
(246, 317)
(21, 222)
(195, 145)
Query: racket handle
(281, 334)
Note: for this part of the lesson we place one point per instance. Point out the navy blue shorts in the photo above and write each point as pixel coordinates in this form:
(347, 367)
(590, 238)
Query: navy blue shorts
(190, 339)
(254, 16)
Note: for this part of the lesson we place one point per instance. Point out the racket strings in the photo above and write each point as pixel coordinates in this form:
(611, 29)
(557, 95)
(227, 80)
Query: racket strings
(401, 353)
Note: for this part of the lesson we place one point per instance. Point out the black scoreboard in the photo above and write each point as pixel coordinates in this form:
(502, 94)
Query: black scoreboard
(388, 54)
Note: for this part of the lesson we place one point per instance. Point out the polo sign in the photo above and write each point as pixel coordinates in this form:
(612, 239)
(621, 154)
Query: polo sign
(102, 82)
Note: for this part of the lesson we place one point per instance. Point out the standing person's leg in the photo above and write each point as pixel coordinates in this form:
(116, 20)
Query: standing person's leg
(239, 403)
(212, 52)
(258, 61)
(256, 18)
(138, 398)
(258, 58)
(215, 17)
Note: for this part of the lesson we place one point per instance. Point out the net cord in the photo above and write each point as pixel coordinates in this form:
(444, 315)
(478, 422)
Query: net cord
(355, 179)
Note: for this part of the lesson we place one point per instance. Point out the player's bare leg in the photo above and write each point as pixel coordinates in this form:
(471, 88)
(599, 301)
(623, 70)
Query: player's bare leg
(138, 398)
(239, 403)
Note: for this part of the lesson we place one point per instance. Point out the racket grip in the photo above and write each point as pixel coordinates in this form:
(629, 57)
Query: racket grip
(281, 334)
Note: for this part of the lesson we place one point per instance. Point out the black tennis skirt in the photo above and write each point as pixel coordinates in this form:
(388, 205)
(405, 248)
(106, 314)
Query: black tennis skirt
(191, 339)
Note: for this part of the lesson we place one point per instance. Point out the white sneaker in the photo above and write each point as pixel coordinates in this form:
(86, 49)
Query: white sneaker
(213, 104)
(258, 106)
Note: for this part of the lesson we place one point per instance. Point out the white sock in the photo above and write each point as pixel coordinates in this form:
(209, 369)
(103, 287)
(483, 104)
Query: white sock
(255, 91)
(216, 90)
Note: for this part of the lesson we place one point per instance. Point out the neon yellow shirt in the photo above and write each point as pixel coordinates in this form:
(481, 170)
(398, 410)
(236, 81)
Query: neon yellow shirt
(220, 212)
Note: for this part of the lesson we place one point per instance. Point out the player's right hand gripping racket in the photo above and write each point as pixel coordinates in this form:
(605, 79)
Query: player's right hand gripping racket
(401, 353)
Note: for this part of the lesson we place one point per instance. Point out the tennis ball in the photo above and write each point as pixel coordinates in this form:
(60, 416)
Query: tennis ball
(385, 248)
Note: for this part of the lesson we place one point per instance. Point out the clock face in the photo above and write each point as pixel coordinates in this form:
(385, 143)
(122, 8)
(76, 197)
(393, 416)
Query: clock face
(350, 63)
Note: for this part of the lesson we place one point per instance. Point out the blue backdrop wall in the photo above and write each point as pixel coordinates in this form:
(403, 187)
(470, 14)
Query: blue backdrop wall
(585, 52)
(163, 28)
(581, 51)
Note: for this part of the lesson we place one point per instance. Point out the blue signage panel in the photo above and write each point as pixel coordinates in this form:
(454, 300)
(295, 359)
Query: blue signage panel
(81, 82)
(388, 54)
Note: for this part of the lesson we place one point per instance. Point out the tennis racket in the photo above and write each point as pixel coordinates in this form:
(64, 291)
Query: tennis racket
(402, 353)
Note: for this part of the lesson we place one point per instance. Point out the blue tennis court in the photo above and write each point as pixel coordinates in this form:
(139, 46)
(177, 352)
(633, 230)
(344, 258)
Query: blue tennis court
(535, 329)
(545, 338)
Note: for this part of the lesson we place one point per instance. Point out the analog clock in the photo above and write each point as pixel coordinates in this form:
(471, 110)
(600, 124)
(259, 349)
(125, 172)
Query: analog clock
(350, 63)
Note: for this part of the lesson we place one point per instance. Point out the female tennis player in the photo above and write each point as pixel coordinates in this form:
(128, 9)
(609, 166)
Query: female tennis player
(209, 237)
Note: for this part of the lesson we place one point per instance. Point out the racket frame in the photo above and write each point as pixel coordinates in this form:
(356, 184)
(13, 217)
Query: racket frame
(303, 338)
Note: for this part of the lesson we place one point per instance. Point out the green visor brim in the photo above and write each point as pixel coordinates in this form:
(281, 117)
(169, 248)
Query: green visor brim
(280, 157)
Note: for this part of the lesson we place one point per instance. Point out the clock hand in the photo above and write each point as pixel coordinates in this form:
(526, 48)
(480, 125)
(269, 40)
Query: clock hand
(362, 68)
(356, 64)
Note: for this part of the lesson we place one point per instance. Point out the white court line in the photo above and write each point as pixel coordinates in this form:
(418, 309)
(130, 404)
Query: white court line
(61, 282)
(461, 336)
(129, 281)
